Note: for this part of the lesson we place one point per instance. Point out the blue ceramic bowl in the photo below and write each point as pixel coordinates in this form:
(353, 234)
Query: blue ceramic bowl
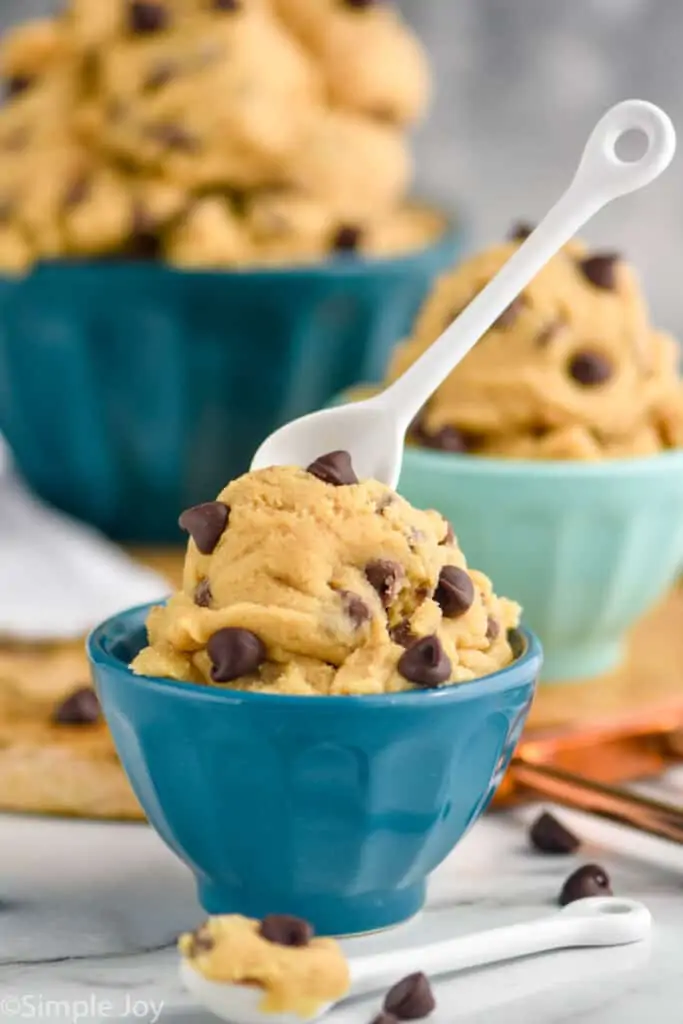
(129, 392)
(334, 809)
(586, 548)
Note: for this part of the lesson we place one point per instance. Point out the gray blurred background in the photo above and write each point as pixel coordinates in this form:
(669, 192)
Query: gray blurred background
(520, 84)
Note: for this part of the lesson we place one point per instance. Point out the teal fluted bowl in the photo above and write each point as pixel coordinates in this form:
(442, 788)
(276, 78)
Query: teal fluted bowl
(586, 548)
(334, 809)
(130, 391)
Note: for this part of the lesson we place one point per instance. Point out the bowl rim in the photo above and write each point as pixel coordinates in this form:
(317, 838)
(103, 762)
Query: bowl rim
(525, 668)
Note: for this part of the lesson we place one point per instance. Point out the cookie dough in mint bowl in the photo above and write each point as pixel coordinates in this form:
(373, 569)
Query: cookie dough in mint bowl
(326, 706)
(556, 448)
(205, 230)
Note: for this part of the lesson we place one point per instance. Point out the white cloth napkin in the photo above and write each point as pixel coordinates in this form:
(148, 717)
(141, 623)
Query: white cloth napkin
(58, 577)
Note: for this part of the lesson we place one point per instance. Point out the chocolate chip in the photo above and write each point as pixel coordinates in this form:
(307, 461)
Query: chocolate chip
(492, 628)
(77, 192)
(285, 930)
(359, 4)
(448, 439)
(590, 880)
(385, 1018)
(410, 999)
(386, 578)
(145, 240)
(549, 835)
(509, 315)
(402, 634)
(334, 468)
(234, 652)
(355, 607)
(206, 524)
(601, 269)
(202, 941)
(80, 708)
(590, 368)
(449, 536)
(202, 594)
(520, 231)
(17, 84)
(172, 135)
(161, 74)
(347, 238)
(425, 663)
(146, 18)
(227, 5)
(454, 592)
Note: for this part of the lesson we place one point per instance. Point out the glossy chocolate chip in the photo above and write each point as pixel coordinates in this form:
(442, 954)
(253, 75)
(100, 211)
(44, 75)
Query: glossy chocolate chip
(202, 594)
(425, 663)
(77, 192)
(402, 634)
(161, 74)
(449, 536)
(146, 18)
(355, 607)
(334, 468)
(590, 368)
(509, 315)
(172, 135)
(601, 270)
(80, 708)
(347, 238)
(285, 930)
(386, 578)
(206, 524)
(234, 652)
(410, 999)
(454, 592)
(520, 231)
(548, 835)
(492, 628)
(202, 941)
(17, 84)
(590, 880)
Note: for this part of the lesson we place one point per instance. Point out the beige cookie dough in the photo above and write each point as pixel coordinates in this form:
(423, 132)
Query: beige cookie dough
(572, 370)
(333, 589)
(294, 979)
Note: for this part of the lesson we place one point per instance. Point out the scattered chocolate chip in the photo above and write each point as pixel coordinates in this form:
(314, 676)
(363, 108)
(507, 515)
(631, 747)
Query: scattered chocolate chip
(547, 333)
(601, 269)
(448, 439)
(206, 524)
(509, 315)
(146, 18)
(386, 578)
(202, 594)
(234, 652)
(449, 535)
(202, 941)
(145, 240)
(520, 231)
(227, 5)
(590, 368)
(410, 999)
(539, 430)
(77, 192)
(16, 140)
(425, 663)
(454, 592)
(80, 708)
(359, 4)
(17, 84)
(549, 835)
(590, 880)
(385, 1018)
(334, 468)
(172, 135)
(347, 238)
(355, 607)
(402, 634)
(161, 74)
(492, 628)
(285, 930)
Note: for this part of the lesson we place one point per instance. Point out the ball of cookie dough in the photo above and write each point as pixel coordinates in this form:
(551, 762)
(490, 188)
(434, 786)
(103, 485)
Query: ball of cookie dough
(210, 235)
(287, 226)
(572, 369)
(306, 581)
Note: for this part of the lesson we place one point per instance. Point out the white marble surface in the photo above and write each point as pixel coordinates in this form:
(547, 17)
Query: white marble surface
(89, 913)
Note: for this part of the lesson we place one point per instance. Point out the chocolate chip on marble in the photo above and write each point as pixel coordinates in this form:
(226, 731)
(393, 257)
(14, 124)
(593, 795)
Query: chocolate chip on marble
(449, 536)
(146, 18)
(334, 468)
(492, 628)
(520, 231)
(548, 835)
(509, 315)
(77, 192)
(159, 75)
(410, 999)
(402, 634)
(590, 880)
(386, 578)
(172, 135)
(202, 941)
(285, 930)
(206, 524)
(80, 708)
(601, 270)
(202, 594)
(590, 368)
(425, 663)
(17, 84)
(355, 607)
(454, 592)
(234, 652)
(347, 238)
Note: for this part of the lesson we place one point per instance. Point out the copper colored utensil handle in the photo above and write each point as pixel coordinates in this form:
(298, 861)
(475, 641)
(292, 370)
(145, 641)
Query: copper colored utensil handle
(651, 816)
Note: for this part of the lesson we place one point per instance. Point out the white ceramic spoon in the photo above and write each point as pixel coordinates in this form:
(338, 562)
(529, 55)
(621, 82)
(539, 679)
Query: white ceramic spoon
(373, 430)
(602, 921)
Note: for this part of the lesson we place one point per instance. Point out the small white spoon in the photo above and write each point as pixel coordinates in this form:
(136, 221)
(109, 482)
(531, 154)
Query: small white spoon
(373, 430)
(601, 921)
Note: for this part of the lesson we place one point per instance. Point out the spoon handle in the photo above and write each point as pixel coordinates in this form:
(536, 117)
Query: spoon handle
(600, 177)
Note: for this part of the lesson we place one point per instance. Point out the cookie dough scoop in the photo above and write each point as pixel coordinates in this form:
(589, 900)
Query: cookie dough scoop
(373, 431)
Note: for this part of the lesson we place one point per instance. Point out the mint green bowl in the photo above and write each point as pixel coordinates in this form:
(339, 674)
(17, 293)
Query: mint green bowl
(586, 548)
